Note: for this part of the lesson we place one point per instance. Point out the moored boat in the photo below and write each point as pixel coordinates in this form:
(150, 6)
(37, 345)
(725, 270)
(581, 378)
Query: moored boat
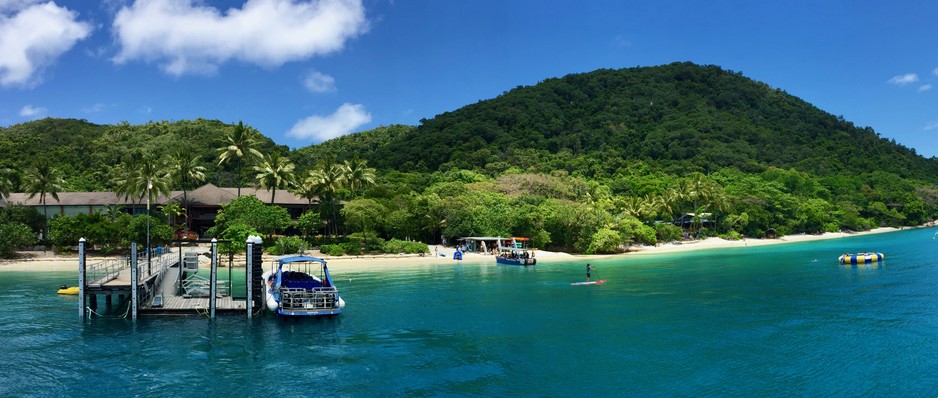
(515, 252)
(301, 286)
(860, 258)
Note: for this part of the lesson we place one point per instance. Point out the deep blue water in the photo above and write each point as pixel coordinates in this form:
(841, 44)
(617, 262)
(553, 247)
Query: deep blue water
(777, 320)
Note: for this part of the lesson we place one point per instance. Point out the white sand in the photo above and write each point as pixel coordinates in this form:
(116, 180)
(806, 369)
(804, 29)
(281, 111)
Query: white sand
(48, 261)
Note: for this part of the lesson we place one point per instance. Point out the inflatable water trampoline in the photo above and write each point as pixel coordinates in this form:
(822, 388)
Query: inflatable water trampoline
(860, 258)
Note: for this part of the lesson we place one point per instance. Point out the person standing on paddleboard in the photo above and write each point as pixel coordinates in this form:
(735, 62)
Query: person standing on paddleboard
(588, 269)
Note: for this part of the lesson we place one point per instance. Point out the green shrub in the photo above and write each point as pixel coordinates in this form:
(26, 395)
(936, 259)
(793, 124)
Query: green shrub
(13, 235)
(332, 250)
(416, 247)
(395, 246)
(352, 248)
(667, 232)
(732, 235)
(287, 245)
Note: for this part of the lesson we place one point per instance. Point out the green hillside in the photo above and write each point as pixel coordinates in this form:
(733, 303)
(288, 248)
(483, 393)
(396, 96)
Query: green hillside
(585, 163)
(87, 154)
(679, 117)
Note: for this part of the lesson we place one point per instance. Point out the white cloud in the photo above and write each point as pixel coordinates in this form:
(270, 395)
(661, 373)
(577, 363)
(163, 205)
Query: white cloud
(319, 82)
(901, 80)
(935, 71)
(33, 37)
(30, 111)
(184, 36)
(931, 126)
(924, 87)
(95, 108)
(320, 128)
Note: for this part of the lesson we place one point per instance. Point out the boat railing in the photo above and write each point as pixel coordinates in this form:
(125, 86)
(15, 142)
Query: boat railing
(299, 298)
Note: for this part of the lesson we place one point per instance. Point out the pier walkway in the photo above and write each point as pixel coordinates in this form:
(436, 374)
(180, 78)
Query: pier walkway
(167, 284)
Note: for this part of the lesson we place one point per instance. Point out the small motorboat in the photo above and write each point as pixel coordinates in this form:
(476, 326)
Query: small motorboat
(860, 258)
(64, 289)
(515, 253)
(301, 286)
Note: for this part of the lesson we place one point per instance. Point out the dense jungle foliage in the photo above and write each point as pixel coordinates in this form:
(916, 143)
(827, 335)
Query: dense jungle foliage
(584, 163)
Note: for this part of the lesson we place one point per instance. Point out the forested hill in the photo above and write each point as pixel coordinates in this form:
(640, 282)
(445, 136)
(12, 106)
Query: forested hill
(88, 154)
(680, 117)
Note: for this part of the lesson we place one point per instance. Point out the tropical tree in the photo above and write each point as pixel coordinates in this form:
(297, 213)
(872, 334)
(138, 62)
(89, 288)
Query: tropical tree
(329, 177)
(187, 171)
(125, 178)
(42, 179)
(275, 172)
(6, 183)
(364, 215)
(306, 191)
(151, 179)
(358, 175)
(239, 145)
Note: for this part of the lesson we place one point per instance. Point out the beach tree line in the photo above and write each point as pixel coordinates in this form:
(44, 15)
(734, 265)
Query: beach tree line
(354, 207)
(589, 162)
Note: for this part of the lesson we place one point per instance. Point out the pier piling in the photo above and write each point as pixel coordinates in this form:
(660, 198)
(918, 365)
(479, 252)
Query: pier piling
(213, 279)
(81, 278)
(133, 280)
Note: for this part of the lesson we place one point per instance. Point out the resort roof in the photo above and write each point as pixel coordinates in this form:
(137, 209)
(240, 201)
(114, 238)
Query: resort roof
(207, 195)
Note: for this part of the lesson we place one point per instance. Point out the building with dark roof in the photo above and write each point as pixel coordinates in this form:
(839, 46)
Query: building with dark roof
(203, 203)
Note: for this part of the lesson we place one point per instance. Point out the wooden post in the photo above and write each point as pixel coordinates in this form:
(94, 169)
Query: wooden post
(213, 279)
(133, 280)
(248, 267)
(81, 278)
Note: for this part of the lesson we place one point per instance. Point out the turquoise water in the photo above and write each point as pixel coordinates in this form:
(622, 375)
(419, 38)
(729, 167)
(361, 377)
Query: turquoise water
(759, 321)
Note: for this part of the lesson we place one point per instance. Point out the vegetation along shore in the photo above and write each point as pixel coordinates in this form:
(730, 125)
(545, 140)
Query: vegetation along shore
(592, 163)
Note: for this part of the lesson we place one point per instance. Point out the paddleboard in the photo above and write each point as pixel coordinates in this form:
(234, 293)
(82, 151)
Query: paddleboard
(588, 283)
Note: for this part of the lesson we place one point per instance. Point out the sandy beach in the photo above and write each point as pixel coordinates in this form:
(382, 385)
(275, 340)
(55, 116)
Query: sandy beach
(49, 261)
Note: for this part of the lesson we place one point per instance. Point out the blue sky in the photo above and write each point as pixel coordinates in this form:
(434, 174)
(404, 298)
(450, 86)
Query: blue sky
(305, 71)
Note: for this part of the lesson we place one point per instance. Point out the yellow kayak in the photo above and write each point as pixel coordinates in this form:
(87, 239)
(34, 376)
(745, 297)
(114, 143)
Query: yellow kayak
(68, 290)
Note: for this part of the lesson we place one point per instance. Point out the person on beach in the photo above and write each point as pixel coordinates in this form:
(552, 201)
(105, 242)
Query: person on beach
(588, 269)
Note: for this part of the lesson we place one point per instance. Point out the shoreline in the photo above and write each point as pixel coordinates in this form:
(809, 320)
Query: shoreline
(48, 261)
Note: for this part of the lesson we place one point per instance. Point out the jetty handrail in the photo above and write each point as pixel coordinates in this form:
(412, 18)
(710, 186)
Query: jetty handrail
(199, 286)
(105, 271)
(162, 263)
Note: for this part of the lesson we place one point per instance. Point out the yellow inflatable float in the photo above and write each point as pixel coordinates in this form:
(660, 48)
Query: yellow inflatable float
(68, 290)
(860, 258)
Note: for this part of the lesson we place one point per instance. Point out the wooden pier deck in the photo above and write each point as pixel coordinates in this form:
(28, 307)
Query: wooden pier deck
(158, 287)
(175, 304)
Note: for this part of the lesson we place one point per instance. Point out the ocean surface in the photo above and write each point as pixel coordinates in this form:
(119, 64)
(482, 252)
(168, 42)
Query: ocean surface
(782, 320)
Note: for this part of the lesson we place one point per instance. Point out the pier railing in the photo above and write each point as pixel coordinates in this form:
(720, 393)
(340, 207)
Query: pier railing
(106, 271)
(160, 265)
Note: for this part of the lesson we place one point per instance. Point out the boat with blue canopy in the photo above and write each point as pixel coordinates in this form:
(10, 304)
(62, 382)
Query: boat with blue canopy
(301, 286)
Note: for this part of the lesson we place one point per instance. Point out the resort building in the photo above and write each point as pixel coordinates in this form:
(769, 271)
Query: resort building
(203, 203)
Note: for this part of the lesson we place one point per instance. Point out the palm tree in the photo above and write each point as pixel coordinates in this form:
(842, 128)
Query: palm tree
(125, 180)
(43, 179)
(275, 172)
(6, 183)
(239, 144)
(358, 174)
(307, 191)
(187, 171)
(152, 179)
(329, 177)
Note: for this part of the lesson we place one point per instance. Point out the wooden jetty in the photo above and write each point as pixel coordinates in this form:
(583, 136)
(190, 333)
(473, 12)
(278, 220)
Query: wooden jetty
(168, 284)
